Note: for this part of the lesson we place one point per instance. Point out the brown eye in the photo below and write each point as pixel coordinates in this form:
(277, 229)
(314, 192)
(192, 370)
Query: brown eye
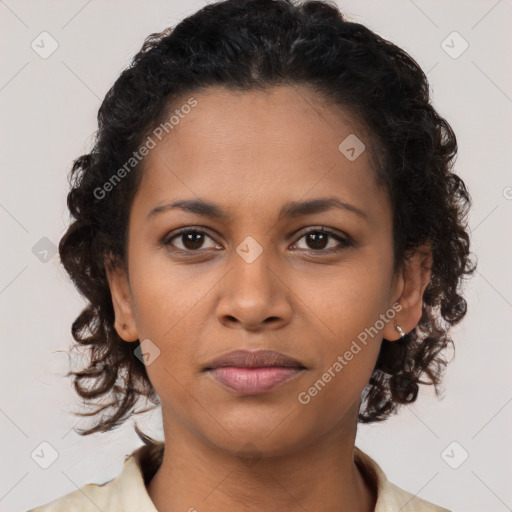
(191, 240)
(317, 240)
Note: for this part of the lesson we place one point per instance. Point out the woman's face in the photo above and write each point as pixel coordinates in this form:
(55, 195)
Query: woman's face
(253, 278)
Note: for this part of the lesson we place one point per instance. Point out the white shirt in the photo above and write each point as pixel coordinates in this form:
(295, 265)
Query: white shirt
(127, 492)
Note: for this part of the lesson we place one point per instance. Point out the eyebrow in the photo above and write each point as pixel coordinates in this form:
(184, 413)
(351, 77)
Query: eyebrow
(290, 210)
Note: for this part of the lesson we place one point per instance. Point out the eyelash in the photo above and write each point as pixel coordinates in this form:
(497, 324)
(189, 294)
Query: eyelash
(345, 241)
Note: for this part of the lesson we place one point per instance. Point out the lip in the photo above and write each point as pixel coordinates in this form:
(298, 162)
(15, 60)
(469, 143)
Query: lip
(253, 381)
(254, 372)
(254, 359)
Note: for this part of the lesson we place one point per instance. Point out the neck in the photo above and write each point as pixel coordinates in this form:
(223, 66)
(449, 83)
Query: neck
(194, 475)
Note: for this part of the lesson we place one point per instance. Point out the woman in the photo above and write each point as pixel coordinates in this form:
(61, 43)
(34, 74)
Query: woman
(272, 243)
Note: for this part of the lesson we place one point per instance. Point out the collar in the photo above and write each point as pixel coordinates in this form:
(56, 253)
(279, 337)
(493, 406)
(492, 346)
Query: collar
(129, 488)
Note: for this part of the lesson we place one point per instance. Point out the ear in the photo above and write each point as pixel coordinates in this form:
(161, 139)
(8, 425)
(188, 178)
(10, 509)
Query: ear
(413, 279)
(121, 300)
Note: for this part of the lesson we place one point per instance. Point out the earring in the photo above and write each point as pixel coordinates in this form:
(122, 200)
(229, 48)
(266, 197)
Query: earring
(400, 330)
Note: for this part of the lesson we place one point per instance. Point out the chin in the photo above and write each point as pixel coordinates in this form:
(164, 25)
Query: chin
(256, 436)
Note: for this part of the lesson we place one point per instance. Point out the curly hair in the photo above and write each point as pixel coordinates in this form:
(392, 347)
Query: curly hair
(255, 44)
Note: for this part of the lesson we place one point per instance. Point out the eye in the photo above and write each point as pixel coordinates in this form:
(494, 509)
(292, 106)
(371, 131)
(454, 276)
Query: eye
(317, 238)
(191, 240)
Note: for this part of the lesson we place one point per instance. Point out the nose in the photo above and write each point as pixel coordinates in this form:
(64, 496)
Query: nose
(254, 294)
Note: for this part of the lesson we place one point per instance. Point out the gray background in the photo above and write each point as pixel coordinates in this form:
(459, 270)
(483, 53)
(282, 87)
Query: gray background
(49, 108)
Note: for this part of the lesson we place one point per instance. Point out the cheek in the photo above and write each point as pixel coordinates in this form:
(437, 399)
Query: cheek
(166, 297)
(345, 302)
(346, 310)
(346, 361)
(168, 315)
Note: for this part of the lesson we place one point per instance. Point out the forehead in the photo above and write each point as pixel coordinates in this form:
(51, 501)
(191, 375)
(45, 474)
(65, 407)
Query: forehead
(254, 148)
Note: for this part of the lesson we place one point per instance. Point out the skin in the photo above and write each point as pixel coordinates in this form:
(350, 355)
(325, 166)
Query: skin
(250, 153)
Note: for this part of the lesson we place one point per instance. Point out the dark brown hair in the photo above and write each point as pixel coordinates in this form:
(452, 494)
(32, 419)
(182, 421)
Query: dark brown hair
(245, 45)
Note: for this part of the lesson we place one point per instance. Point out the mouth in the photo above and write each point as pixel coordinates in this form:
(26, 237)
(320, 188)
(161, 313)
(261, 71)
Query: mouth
(253, 381)
(254, 359)
(252, 373)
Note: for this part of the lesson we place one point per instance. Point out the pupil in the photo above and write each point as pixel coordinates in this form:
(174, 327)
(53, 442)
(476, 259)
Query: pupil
(189, 238)
(321, 236)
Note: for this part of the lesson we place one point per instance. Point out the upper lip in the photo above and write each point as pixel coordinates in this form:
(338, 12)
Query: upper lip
(254, 359)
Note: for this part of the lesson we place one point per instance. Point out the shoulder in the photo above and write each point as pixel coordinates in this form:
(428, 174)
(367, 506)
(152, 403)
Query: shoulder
(407, 502)
(390, 497)
(127, 492)
(90, 497)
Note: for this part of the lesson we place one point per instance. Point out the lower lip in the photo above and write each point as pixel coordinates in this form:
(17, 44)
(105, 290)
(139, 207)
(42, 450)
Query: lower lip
(252, 381)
